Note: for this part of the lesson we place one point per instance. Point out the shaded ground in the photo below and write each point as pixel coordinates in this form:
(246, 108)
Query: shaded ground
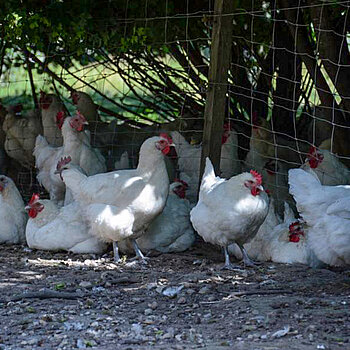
(125, 307)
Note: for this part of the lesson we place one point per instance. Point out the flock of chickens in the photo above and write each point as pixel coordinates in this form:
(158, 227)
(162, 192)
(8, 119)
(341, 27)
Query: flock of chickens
(252, 214)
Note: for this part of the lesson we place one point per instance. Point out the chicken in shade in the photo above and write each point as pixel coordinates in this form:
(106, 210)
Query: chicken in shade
(122, 204)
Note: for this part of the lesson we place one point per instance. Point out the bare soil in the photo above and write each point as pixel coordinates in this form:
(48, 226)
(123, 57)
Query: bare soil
(66, 301)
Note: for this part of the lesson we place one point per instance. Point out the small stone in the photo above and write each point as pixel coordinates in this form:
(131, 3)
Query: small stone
(148, 312)
(212, 298)
(153, 305)
(85, 284)
(81, 344)
(204, 290)
(182, 300)
(190, 291)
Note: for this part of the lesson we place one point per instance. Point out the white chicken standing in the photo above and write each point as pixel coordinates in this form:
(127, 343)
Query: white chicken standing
(76, 143)
(189, 157)
(50, 105)
(171, 231)
(12, 214)
(122, 204)
(326, 209)
(52, 228)
(230, 211)
(329, 170)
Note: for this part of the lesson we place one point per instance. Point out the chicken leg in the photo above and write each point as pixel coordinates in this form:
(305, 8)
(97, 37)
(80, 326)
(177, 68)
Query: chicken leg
(116, 252)
(138, 252)
(228, 265)
(246, 259)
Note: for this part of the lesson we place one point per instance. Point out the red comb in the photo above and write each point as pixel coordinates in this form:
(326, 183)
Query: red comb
(312, 150)
(257, 176)
(80, 116)
(35, 198)
(60, 115)
(166, 136)
(227, 126)
(182, 182)
(63, 161)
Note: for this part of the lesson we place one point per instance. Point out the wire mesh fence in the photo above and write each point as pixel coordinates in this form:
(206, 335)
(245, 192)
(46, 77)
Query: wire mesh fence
(135, 68)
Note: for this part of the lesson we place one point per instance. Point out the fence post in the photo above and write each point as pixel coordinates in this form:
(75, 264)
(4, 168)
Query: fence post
(220, 53)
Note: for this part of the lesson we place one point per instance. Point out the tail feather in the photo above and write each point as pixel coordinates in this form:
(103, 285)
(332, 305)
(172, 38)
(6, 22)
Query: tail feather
(208, 178)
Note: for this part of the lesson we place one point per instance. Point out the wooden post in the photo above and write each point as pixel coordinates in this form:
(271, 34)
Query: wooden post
(220, 55)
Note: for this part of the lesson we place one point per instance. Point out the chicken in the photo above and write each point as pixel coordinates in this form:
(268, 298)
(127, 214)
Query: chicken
(76, 144)
(52, 228)
(123, 162)
(289, 244)
(266, 144)
(171, 231)
(329, 170)
(50, 105)
(326, 210)
(12, 214)
(189, 158)
(3, 154)
(122, 204)
(21, 132)
(230, 211)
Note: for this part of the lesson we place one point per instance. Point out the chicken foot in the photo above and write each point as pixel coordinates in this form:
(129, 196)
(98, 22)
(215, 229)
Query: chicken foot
(116, 252)
(246, 259)
(228, 265)
(138, 252)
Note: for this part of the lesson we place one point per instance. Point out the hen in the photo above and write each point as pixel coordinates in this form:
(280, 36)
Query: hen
(329, 170)
(50, 105)
(52, 228)
(12, 214)
(21, 132)
(122, 204)
(326, 209)
(76, 144)
(230, 211)
(171, 231)
(189, 158)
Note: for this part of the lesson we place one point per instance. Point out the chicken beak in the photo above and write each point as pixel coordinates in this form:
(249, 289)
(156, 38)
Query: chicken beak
(86, 123)
(27, 207)
(260, 187)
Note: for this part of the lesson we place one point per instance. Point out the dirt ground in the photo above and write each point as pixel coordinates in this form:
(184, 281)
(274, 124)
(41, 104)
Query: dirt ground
(176, 301)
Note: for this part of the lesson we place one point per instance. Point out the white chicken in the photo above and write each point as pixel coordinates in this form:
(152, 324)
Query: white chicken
(189, 158)
(326, 209)
(171, 231)
(51, 105)
(76, 144)
(21, 131)
(329, 170)
(230, 211)
(123, 162)
(122, 204)
(52, 228)
(12, 214)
